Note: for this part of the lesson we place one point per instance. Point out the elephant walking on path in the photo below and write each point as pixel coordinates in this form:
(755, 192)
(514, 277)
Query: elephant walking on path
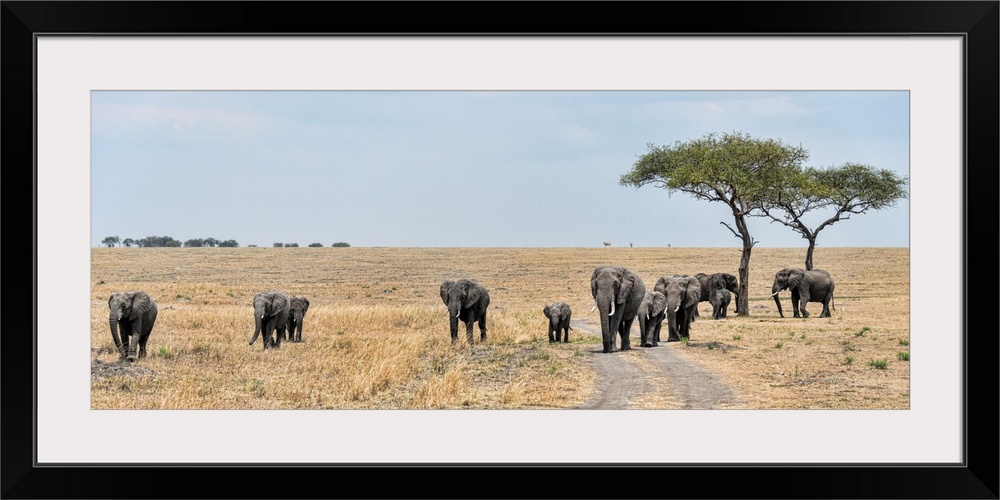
(617, 292)
(134, 313)
(558, 314)
(683, 294)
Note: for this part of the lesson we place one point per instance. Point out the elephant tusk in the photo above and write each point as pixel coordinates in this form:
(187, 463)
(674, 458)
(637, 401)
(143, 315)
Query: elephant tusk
(677, 308)
(594, 308)
(775, 293)
(612, 313)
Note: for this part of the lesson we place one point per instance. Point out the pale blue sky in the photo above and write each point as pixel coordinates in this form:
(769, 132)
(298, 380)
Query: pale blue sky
(459, 168)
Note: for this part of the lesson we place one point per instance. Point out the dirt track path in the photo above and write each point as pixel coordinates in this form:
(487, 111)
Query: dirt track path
(652, 377)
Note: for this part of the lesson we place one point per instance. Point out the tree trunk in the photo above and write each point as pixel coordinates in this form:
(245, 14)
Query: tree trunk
(809, 253)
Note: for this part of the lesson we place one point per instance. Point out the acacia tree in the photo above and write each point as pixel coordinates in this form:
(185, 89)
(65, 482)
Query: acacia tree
(110, 241)
(735, 169)
(851, 188)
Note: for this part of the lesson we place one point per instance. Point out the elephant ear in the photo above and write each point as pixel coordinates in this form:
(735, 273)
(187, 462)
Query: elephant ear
(795, 277)
(473, 294)
(693, 289)
(566, 311)
(625, 289)
(658, 304)
(445, 286)
(546, 312)
(305, 304)
(140, 303)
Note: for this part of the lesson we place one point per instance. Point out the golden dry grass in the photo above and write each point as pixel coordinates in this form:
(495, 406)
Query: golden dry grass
(376, 334)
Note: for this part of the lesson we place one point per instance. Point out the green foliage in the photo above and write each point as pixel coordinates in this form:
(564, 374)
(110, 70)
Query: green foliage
(195, 243)
(737, 337)
(848, 360)
(903, 356)
(110, 241)
(278, 245)
(159, 241)
(878, 364)
(290, 245)
(340, 244)
(315, 245)
(904, 342)
(128, 242)
(778, 345)
(862, 331)
(229, 243)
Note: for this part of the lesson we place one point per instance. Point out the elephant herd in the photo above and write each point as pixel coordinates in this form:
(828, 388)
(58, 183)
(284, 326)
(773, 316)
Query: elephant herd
(134, 313)
(618, 292)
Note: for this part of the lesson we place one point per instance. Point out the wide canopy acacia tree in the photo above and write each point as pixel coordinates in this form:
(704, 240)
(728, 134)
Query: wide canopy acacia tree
(735, 168)
(851, 188)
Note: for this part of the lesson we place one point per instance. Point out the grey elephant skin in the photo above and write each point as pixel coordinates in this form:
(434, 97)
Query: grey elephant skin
(720, 300)
(270, 315)
(467, 300)
(134, 313)
(712, 282)
(297, 307)
(807, 286)
(652, 310)
(558, 314)
(617, 293)
(683, 294)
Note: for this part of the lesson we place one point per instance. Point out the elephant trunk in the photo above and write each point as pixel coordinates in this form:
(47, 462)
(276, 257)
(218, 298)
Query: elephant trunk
(113, 322)
(257, 319)
(455, 309)
(777, 301)
(609, 321)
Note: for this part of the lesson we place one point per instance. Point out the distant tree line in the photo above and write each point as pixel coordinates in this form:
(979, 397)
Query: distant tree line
(167, 241)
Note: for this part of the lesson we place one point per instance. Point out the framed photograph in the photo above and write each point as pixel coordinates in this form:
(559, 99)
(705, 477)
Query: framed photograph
(915, 84)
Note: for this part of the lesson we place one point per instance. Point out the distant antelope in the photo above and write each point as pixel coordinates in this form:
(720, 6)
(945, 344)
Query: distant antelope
(607, 244)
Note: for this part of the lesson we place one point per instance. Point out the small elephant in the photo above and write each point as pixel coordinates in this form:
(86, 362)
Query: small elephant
(270, 314)
(617, 292)
(467, 300)
(712, 282)
(720, 302)
(297, 307)
(559, 314)
(652, 310)
(683, 294)
(134, 313)
(806, 286)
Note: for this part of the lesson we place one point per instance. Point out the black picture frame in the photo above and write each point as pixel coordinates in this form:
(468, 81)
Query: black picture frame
(976, 22)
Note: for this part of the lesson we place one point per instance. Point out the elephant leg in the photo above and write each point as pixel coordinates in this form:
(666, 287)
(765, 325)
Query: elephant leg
(142, 345)
(795, 302)
(623, 332)
(566, 334)
(482, 329)
(468, 331)
(803, 300)
(552, 338)
(133, 341)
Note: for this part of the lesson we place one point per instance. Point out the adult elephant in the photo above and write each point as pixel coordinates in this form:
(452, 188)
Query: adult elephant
(652, 310)
(617, 291)
(467, 300)
(270, 314)
(683, 294)
(297, 307)
(559, 314)
(712, 282)
(806, 286)
(134, 313)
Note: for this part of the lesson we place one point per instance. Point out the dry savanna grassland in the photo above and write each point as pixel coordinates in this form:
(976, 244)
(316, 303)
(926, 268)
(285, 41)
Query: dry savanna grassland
(376, 333)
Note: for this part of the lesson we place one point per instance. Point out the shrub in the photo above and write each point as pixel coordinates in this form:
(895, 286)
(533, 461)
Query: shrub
(340, 244)
(279, 245)
(316, 245)
(878, 364)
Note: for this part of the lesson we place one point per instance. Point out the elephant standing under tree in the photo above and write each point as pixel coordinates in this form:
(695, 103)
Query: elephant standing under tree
(652, 310)
(134, 313)
(617, 292)
(467, 300)
(683, 294)
(270, 314)
(712, 282)
(806, 286)
(720, 302)
(559, 314)
(297, 307)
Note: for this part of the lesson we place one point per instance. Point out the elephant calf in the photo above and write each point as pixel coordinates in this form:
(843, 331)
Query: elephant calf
(559, 314)
(134, 313)
(720, 302)
(296, 313)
